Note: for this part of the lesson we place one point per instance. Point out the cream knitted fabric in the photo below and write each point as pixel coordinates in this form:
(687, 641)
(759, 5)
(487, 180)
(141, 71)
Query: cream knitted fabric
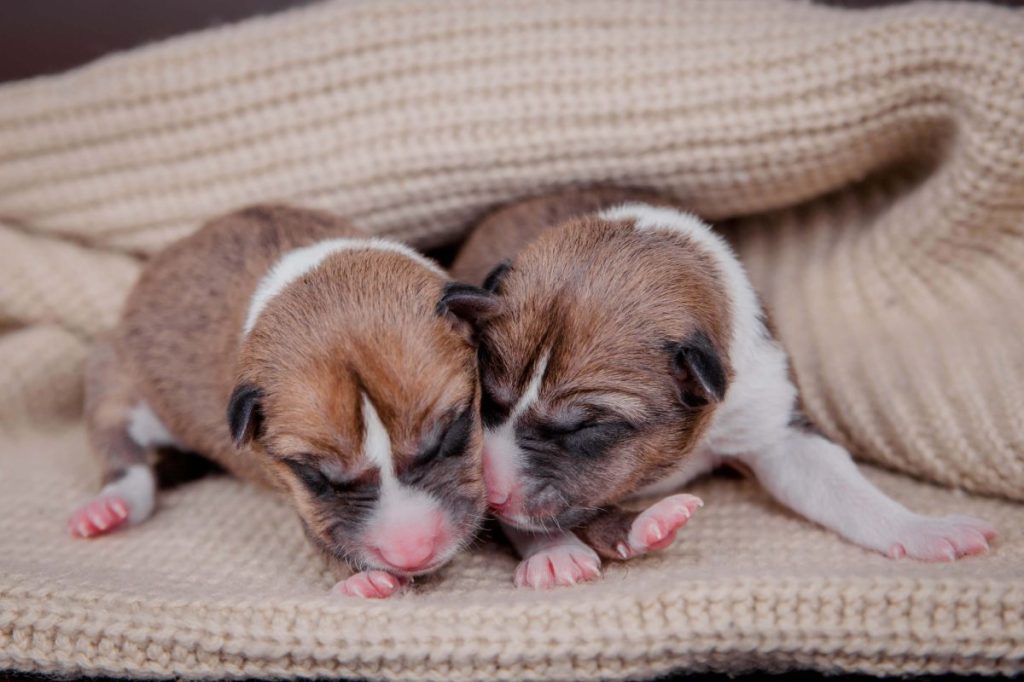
(899, 302)
(868, 165)
(221, 583)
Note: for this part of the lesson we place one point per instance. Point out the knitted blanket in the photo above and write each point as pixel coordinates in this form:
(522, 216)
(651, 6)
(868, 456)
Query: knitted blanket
(868, 165)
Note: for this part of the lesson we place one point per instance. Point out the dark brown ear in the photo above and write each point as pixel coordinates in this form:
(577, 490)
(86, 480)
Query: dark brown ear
(493, 279)
(698, 371)
(245, 413)
(468, 307)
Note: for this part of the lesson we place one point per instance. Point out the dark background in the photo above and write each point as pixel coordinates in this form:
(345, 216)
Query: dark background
(49, 36)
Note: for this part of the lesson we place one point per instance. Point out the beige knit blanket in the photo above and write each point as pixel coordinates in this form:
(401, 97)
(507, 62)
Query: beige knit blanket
(869, 165)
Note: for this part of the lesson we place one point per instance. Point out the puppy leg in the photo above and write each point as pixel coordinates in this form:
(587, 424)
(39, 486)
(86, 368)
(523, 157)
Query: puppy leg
(552, 559)
(620, 534)
(818, 479)
(129, 491)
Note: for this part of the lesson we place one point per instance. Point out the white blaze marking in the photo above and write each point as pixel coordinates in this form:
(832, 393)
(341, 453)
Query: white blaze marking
(399, 505)
(146, 429)
(377, 442)
(505, 456)
(532, 391)
(298, 262)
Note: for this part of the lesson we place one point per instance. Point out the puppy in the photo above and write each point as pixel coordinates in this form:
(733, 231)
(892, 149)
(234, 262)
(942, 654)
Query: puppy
(300, 355)
(630, 356)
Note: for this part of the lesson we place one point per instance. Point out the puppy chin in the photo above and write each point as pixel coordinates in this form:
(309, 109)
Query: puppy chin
(545, 524)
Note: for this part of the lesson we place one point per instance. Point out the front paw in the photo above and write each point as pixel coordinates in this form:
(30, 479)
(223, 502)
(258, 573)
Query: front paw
(558, 565)
(943, 539)
(101, 515)
(656, 527)
(370, 585)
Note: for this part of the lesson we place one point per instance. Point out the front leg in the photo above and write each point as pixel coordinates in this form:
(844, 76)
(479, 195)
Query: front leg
(553, 559)
(818, 479)
(620, 534)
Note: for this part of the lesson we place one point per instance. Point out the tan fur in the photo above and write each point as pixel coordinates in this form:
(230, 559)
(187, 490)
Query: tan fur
(505, 232)
(361, 322)
(607, 300)
(109, 398)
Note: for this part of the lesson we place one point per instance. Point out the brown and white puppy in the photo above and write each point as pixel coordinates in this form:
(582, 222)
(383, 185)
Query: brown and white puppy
(631, 355)
(299, 354)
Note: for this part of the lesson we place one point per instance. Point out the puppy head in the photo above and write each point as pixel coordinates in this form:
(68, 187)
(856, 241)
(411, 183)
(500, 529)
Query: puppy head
(357, 390)
(602, 369)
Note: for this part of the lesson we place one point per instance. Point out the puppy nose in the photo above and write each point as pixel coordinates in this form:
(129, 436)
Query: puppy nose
(411, 544)
(500, 488)
(411, 555)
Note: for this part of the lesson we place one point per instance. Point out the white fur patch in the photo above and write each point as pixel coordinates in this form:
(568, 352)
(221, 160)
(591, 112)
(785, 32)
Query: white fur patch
(146, 429)
(377, 442)
(399, 505)
(532, 391)
(137, 487)
(502, 452)
(297, 263)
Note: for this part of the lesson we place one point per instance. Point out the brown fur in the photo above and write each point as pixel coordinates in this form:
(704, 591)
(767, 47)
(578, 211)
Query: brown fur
(608, 301)
(364, 321)
(505, 232)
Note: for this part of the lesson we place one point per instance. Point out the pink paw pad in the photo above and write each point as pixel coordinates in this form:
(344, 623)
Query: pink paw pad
(370, 585)
(656, 527)
(98, 517)
(557, 566)
(943, 539)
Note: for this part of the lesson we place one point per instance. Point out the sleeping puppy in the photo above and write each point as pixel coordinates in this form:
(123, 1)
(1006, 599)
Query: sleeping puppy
(630, 355)
(300, 355)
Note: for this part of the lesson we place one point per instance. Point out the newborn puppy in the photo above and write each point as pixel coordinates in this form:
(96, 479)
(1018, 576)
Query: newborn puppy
(631, 355)
(300, 355)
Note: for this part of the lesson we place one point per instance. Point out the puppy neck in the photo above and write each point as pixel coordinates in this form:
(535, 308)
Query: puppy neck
(297, 263)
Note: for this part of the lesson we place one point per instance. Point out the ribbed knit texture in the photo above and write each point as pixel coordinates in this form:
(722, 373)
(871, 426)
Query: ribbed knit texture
(222, 583)
(868, 164)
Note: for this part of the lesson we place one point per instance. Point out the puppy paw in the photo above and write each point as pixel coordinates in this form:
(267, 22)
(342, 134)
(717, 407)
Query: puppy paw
(656, 527)
(101, 515)
(942, 539)
(370, 585)
(558, 565)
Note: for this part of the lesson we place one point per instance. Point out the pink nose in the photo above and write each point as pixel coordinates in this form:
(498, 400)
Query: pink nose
(410, 555)
(410, 544)
(501, 489)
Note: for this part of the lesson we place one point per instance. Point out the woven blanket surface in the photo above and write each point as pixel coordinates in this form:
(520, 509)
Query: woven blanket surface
(222, 583)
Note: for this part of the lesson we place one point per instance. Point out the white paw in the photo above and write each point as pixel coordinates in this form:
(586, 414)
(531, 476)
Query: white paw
(558, 565)
(370, 585)
(656, 527)
(941, 539)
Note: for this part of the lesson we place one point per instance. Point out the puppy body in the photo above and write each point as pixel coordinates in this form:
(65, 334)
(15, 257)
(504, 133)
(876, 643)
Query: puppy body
(301, 356)
(631, 356)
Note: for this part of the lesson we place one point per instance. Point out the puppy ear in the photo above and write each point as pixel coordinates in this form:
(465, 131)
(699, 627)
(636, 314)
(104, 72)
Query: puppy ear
(698, 371)
(468, 307)
(245, 413)
(493, 279)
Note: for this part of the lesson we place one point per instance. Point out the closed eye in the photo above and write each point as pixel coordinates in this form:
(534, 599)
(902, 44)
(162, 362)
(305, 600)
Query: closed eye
(588, 436)
(453, 441)
(316, 480)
